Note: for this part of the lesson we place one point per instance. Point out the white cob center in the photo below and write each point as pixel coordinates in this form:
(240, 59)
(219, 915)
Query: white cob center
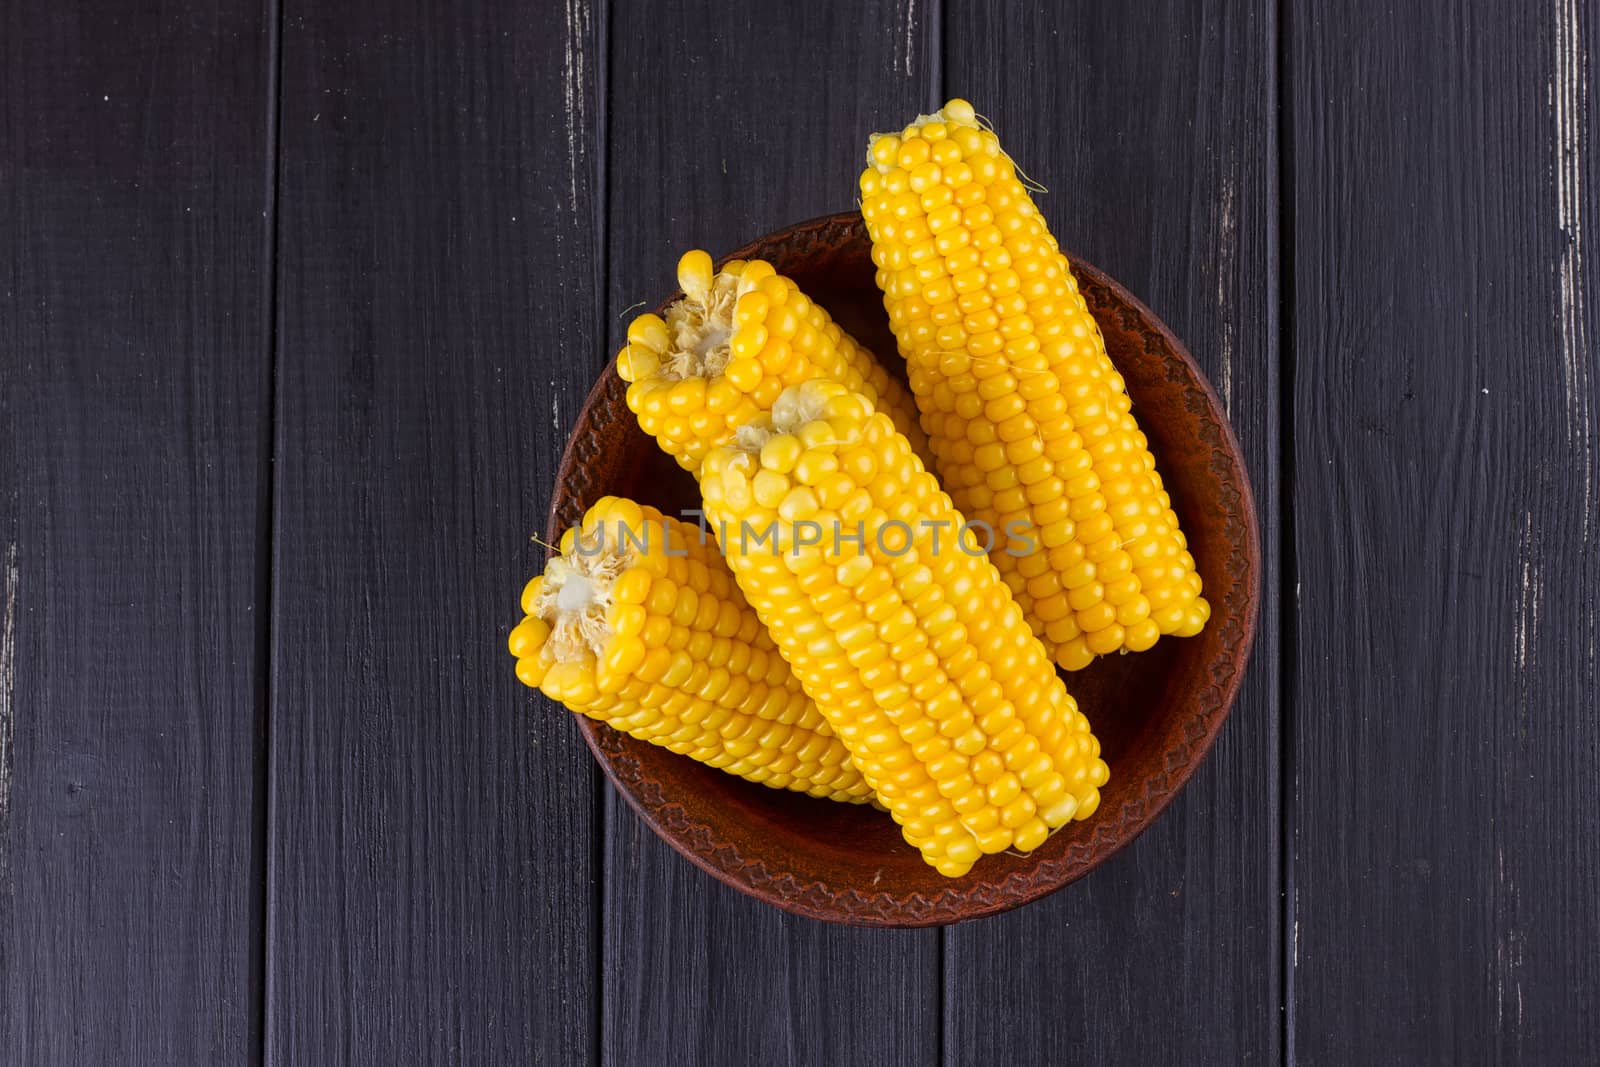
(700, 327)
(576, 596)
(796, 407)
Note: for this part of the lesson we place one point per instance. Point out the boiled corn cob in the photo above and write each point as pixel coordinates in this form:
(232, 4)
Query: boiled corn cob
(1029, 423)
(638, 624)
(912, 648)
(735, 340)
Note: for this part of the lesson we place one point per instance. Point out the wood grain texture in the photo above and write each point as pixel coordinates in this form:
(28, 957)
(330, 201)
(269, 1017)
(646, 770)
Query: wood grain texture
(470, 198)
(696, 973)
(133, 436)
(1152, 127)
(434, 827)
(1446, 801)
(727, 123)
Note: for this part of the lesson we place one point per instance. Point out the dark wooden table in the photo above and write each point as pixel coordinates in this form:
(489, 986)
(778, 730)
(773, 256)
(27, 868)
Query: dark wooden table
(298, 301)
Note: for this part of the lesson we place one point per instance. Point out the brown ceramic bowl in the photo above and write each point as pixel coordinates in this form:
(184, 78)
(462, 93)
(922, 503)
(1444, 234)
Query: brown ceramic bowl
(1155, 713)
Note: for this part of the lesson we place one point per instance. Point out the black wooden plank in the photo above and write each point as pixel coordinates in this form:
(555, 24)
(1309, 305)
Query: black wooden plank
(696, 974)
(134, 396)
(434, 831)
(1153, 127)
(1446, 805)
(726, 123)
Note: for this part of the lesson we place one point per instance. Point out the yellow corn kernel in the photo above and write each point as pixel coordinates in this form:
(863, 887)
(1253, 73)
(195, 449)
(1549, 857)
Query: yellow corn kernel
(913, 648)
(639, 624)
(1023, 409)
(728, 346)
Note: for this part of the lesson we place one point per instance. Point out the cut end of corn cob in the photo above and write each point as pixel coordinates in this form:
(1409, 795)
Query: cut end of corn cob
(574, 598)
(701, 324)
(1029, 423)
(725, 350)
(916, 654)
(637, 623)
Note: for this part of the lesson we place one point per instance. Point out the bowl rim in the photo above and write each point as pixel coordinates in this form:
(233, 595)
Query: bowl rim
(958, 902)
